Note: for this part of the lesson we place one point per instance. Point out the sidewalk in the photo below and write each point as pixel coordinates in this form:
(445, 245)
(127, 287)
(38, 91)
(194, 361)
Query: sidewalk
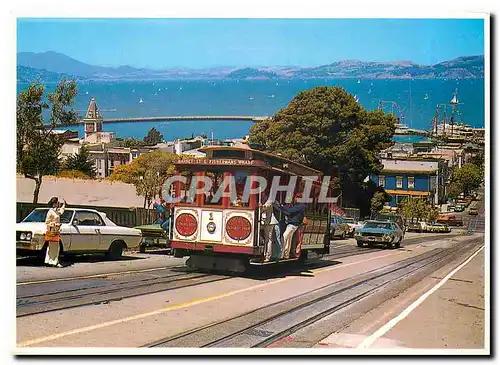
(453, 317)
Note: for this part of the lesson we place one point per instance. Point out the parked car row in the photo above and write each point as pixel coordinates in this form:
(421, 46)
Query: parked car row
(427, 227)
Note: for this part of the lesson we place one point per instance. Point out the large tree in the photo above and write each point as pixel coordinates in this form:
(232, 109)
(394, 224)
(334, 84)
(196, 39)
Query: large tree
(467, 178)
(38, 147)
(327, 129)
(81, 161)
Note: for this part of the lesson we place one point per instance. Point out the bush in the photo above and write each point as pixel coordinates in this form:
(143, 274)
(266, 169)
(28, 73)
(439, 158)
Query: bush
(73, 174)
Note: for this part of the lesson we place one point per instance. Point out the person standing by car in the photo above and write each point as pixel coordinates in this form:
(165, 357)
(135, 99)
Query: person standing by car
(52, 235)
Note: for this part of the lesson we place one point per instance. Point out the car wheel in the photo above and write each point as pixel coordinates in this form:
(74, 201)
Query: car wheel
(142, 248)
(342, 236)
(398, 244)
(360, 244)
(115, 251)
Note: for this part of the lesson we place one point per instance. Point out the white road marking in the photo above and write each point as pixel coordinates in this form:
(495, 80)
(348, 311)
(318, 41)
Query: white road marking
(370, 340)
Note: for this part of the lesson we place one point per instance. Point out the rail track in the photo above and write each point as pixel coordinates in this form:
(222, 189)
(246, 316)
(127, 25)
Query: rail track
(52, 295)
(265, 326)
(105, 290)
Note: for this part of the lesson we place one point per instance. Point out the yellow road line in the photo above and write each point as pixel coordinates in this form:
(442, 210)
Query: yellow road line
(182, 305)
(96, 275)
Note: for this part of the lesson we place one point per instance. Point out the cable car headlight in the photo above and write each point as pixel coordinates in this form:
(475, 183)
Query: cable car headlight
(22, 236)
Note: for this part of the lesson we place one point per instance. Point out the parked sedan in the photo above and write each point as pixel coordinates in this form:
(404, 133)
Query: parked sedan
(438, 227)
(473, 211)
(82, 231)
(382, 232)
(417, 227)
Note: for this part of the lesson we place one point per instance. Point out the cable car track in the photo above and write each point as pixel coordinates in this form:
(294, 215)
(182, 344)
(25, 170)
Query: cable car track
(264, 326)
(102, 294)
(106, 292)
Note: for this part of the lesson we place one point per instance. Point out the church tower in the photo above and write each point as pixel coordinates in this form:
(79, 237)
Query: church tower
(93, 119)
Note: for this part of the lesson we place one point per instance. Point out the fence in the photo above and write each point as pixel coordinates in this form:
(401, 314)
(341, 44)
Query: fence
(128, 217)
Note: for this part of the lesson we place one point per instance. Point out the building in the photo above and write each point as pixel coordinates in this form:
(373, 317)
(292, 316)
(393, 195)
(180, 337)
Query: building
(413, 177)
(93, 125)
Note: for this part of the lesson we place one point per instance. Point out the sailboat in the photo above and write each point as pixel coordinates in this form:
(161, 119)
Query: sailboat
(356, 98)
(141, 101)
(426, 96)
(359, 81)
(369, 91)
(455, 99)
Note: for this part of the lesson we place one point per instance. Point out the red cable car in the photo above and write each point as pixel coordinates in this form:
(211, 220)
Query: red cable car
(219, 229)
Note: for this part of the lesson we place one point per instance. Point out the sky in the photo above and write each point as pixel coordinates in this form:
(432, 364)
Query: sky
(204, 43)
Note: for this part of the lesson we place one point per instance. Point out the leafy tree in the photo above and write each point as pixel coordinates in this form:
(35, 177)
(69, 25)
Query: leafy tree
(467, 178)
(326, 128)
(38, 148)
(153, 137)
(81, 161)
(148, 173)
(378, 201)
(130, 142)
(453, 190)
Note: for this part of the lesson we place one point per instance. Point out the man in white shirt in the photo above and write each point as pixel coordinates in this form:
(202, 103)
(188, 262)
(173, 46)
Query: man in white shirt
(270, 225)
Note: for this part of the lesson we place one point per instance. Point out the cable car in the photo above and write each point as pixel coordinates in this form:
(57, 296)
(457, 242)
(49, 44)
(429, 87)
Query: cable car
(221, 228)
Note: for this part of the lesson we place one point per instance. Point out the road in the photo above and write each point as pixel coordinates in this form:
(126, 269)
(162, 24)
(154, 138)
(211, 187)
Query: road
(153, 301)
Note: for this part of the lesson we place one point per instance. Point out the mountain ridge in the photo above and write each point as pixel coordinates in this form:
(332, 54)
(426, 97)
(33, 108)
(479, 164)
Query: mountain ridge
(461, 67)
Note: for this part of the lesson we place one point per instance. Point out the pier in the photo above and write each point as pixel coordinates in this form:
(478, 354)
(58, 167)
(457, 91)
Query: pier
(184, 117)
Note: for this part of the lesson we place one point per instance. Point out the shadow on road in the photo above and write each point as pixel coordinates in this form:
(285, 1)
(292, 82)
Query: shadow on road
(72, 259)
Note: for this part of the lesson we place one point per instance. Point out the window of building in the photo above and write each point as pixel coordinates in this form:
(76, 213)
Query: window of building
(99, 164)
(381, 181)
(411, 182)
(399, 182)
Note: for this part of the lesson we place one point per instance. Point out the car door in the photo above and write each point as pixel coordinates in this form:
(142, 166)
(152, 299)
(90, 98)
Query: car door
(86, 232)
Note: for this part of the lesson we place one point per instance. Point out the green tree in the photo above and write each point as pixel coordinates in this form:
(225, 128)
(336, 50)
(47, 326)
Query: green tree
(153, 137)
(38, 148)
(81, 161)
(130, 142)
(467, 178)
(326, 128)
(453, 190)
(378, 201)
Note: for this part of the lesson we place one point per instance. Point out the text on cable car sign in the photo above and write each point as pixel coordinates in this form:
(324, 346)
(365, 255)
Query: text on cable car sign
(238, 228)
(186, 224)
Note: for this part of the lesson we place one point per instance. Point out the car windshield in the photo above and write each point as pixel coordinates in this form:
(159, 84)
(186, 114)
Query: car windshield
(39, 215)
(378, 225)
(349, 220)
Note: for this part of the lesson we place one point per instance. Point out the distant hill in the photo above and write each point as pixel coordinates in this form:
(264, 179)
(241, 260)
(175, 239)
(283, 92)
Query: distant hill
(462, 67)
(251, 73)
(29, 74)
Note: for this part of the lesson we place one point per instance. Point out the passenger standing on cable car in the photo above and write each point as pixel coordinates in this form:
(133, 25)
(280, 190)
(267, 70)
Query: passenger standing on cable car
(271, 230)
(294, 216)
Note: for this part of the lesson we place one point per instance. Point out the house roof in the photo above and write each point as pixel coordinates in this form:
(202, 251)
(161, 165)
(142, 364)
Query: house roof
(93, 111)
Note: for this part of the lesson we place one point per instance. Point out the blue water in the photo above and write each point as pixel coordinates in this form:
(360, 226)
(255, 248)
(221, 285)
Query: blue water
(261, 98)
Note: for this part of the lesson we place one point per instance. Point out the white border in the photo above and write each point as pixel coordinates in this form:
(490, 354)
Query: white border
(219, 9)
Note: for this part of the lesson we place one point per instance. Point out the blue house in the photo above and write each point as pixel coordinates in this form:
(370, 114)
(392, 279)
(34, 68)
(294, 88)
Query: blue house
(404, 178)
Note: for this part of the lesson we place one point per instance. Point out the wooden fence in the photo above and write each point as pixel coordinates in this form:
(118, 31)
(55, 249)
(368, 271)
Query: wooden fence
(128, 217)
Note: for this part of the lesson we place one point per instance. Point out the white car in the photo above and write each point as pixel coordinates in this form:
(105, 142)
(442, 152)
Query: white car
(82, 231)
